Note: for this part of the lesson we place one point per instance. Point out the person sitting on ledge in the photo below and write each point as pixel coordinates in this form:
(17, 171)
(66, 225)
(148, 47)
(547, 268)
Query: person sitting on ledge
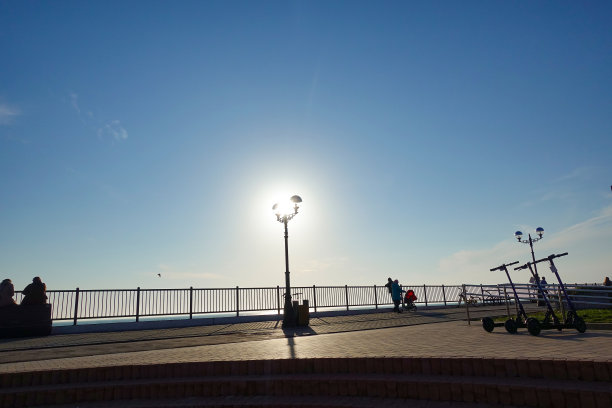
(34, 293)
(7, 291)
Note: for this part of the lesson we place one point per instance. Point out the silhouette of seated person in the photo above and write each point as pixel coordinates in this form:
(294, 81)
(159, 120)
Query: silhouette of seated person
(35, 293)
(7, 291)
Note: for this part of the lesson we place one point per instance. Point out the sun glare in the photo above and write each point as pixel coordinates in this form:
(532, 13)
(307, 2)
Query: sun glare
(283, 207)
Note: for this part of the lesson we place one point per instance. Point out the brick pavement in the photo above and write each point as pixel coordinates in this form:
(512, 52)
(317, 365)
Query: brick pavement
(131, 339)
(348, 336)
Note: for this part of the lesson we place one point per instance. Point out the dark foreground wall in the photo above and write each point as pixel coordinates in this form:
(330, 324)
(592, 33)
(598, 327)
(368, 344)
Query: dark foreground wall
(25, 320)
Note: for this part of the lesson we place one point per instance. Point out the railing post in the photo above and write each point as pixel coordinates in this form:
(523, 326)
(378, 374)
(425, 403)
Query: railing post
(516, 306)
(561, 306)
(506, 300)
(191, 302)
(237, 302)
(375, 298)
(347, 299)
(467, 305)
(444, 295)
(482, 293)
(278, 299)
(425, 292)
(137, 303)
(314, 295)
(76, 306)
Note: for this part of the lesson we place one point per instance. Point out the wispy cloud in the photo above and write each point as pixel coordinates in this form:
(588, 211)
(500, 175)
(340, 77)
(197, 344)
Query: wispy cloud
(74, 101)
(599, 227)
(473, 265)
(8, 113)
(583, 172)
(106, 130)
(562, 188)
(557, 195)
(114, 130)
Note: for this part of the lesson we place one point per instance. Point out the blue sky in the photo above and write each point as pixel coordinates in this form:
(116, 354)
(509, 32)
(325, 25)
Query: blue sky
(147, 137)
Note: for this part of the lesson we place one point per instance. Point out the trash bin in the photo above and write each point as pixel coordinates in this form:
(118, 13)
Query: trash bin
(303, 313)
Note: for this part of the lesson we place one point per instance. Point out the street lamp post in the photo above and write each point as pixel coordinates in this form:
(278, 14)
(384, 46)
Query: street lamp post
(284, 213)
(530, 241)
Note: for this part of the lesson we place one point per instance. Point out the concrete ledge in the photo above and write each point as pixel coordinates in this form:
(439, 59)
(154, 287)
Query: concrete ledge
(158, 324)
(202, 321)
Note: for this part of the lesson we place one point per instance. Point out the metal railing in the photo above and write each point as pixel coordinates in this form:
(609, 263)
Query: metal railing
(581, 295)
(77, 304)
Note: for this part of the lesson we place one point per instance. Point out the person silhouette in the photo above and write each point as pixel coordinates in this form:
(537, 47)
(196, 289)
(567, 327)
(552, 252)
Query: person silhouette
(388, 286)
(35, 293)
(396, 294)
(7, 291)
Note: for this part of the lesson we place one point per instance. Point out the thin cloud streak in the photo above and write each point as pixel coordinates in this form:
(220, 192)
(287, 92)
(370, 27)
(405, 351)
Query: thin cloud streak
(549, 196)
(8, 114)
(474, 265)
(74, 101)
(584, 172)
(112, 130)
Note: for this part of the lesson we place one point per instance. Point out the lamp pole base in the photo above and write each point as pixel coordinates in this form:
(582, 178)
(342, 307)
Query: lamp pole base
(288, 316)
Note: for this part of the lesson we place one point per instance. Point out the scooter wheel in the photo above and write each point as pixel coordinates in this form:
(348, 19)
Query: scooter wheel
(533, 326)
(510, 326)
(488, 324)
(579, 324)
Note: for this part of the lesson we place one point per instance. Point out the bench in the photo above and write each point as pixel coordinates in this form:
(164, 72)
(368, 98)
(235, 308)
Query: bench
(492, 299)
(25, 320)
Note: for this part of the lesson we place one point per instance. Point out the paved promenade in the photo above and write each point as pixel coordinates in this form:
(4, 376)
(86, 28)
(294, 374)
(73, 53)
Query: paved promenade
(426, 333)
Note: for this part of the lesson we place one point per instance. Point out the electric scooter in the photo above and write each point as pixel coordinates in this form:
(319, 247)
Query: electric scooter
(511, 325)
(572, 320)
(551, 321)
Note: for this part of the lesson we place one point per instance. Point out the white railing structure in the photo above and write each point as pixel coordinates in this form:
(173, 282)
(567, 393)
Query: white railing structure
(582, 296)
(78, 304)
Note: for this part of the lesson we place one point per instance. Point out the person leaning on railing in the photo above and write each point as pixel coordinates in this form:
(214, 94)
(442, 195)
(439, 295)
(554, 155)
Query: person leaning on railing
(389, 285)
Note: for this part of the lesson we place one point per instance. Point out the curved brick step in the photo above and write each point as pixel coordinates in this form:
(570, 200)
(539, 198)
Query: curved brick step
(534, 368)
(496, 390)
(280, 402)
(539, 383)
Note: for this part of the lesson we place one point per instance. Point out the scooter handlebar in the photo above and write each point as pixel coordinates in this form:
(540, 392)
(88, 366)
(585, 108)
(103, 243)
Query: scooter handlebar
(518, 268)
(551, 257)
(499, 268)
